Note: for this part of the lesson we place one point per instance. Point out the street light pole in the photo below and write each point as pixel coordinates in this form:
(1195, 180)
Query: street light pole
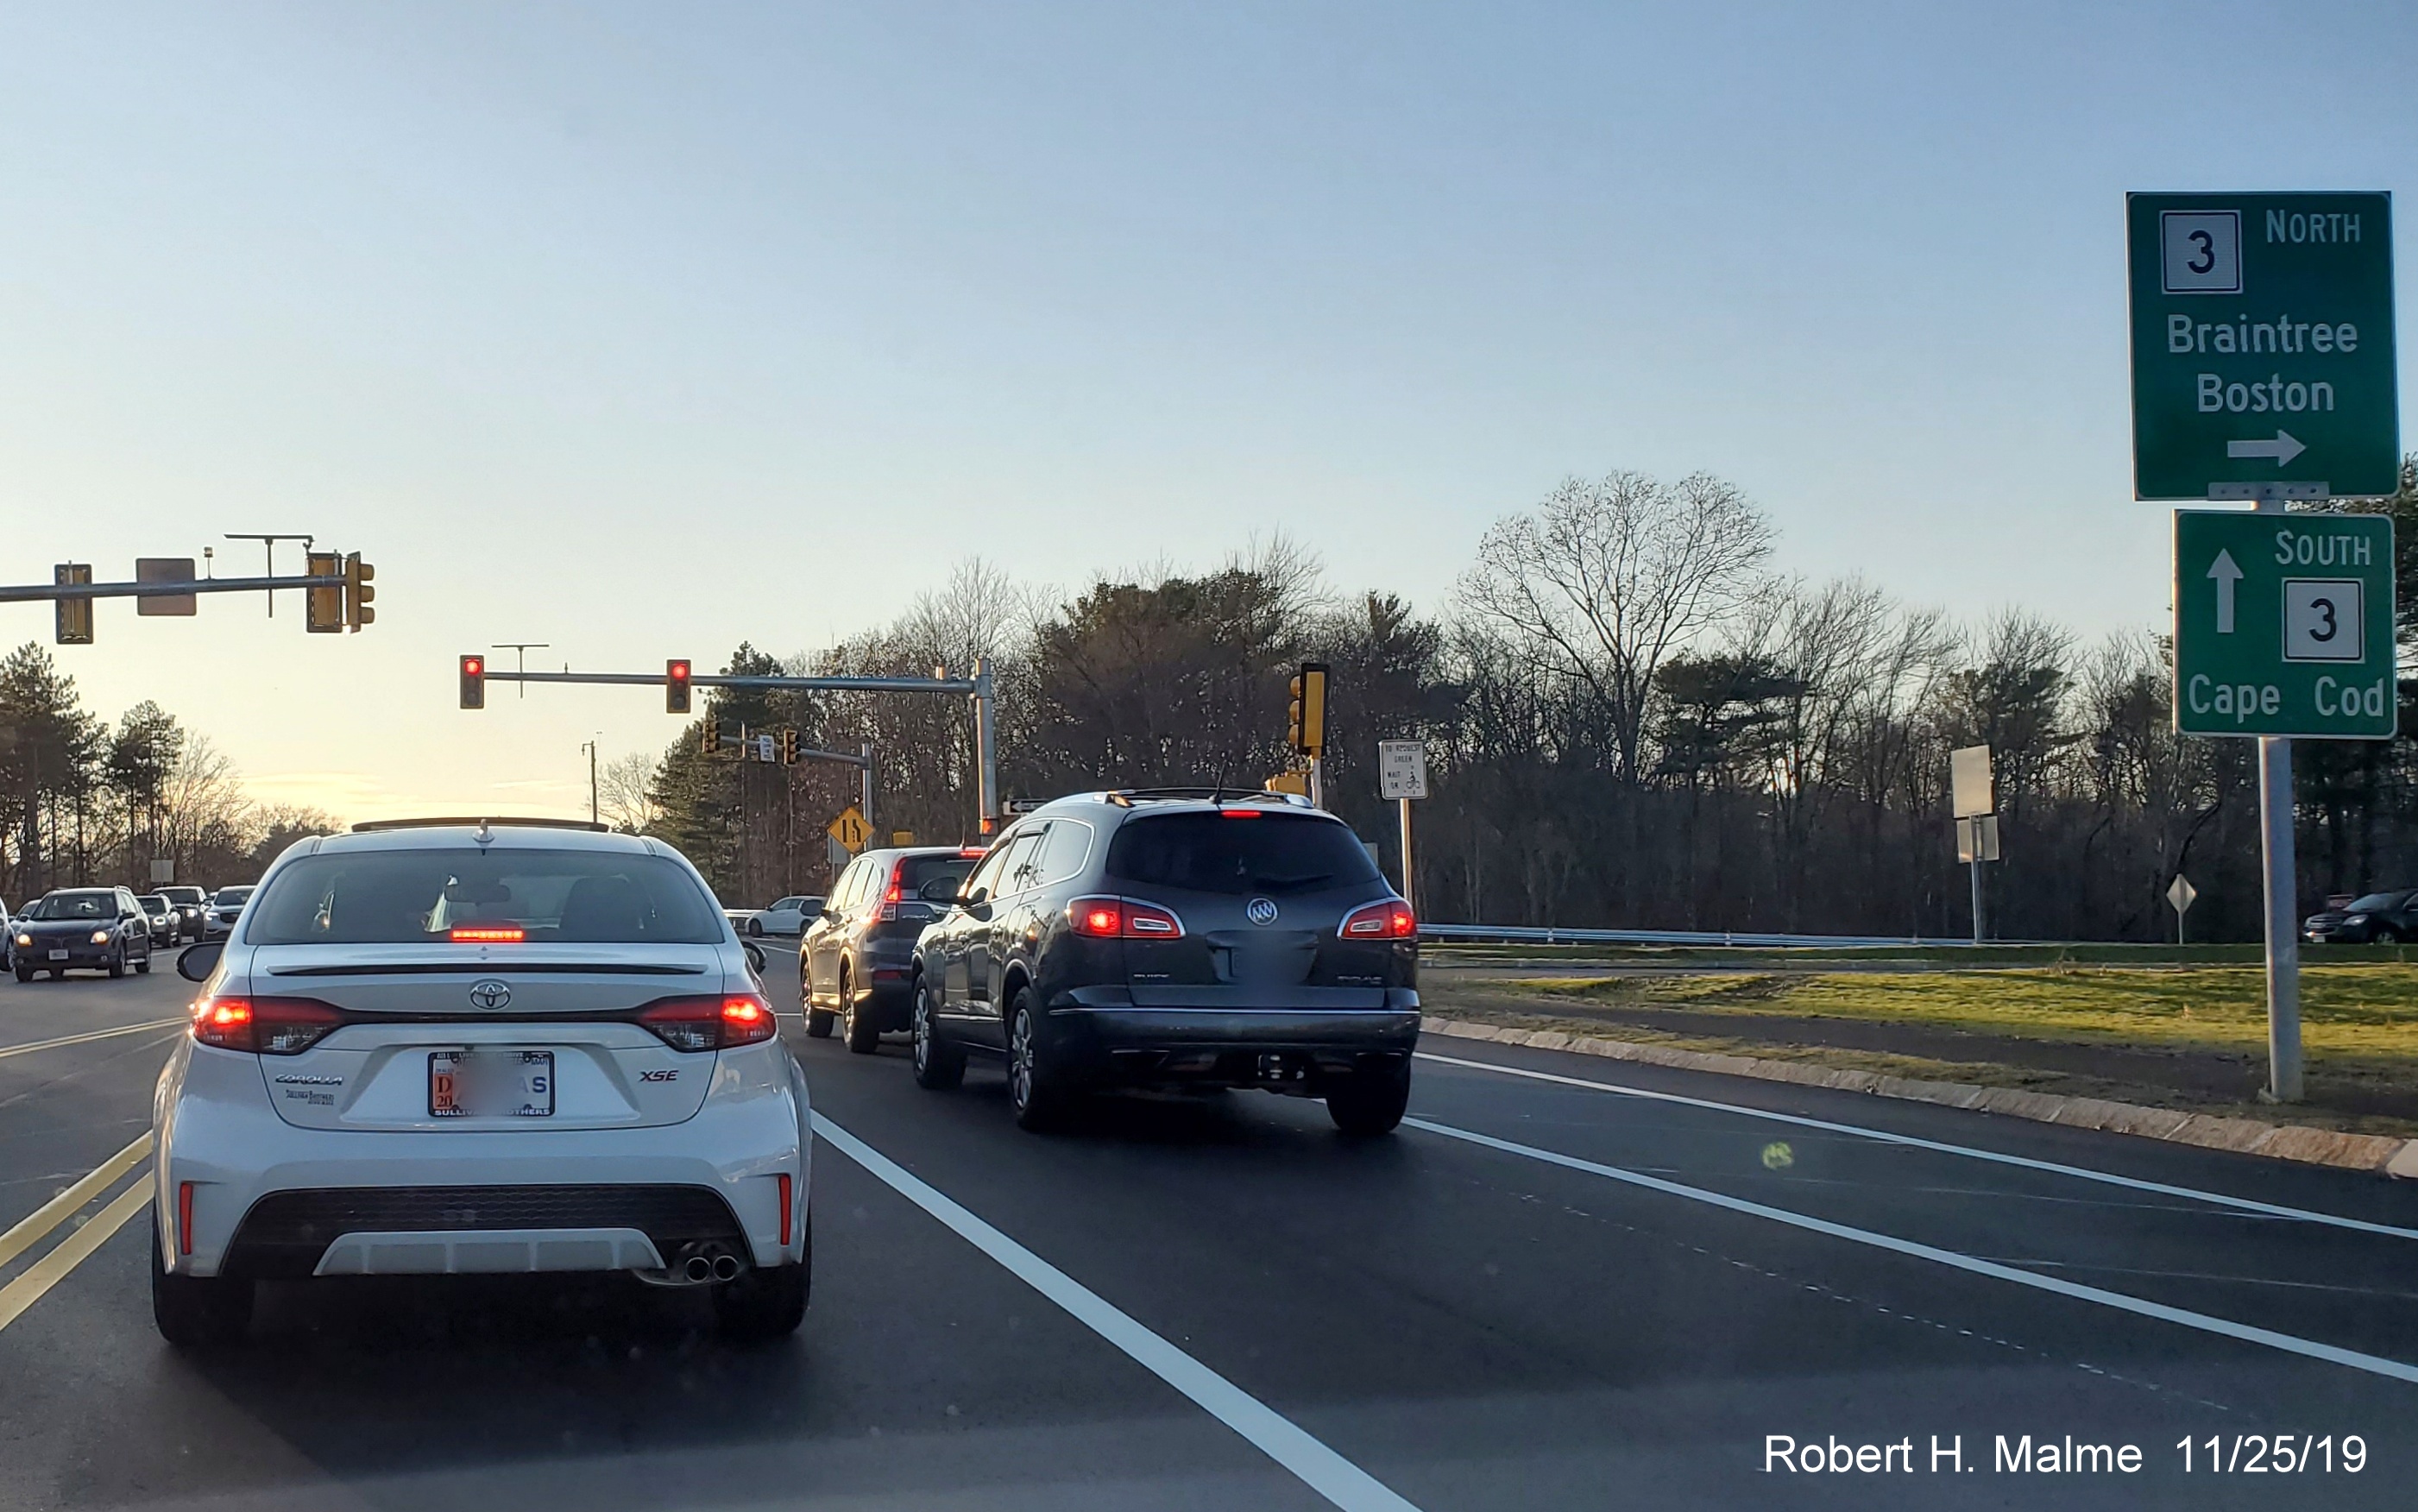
(590, 749)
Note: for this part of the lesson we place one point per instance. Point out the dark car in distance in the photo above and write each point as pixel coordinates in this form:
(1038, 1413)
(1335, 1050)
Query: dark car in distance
(1175, 937)
(2385, 918)
(856, 955)
(82, 928)
(191, 904)
(160, 915)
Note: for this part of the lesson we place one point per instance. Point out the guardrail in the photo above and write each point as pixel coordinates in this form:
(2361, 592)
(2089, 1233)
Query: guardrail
(1547, 934)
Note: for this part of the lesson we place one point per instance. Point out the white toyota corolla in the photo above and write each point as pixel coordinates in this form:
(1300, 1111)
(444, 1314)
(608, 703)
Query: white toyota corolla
(479, 1046)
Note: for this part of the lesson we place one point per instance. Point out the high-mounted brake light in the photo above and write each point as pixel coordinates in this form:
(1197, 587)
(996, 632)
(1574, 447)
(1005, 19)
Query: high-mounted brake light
(265, 1026)
(487, 933)
(1240, 812)
(1104, 918)
(693, 1024)
(1390, 919)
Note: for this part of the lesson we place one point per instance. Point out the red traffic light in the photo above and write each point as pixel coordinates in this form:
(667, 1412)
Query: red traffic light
(675, 687)
(472, 665)
(474, 682)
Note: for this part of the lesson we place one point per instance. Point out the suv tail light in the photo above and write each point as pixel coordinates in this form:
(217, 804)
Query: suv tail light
(690, 1024)
(1390, 919)
(893, 895)
(1105, 918)
(265, 1026)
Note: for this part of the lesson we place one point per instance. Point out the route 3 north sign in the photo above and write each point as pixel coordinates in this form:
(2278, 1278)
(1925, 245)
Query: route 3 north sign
(2284, 625)
(2263, 344)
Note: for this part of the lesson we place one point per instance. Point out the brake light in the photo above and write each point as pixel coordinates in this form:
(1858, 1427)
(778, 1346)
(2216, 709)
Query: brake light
(487, 933)
(1240, 812)
(1388, 920)
(1103, 918)
(693, 1024)
(265, 1026)
(890, 898)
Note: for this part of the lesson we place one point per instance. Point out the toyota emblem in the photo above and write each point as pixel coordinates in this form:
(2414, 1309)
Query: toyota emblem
(1261, 910)
(490, 994)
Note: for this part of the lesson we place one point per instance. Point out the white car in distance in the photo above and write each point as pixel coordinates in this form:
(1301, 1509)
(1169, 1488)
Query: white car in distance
(785, 916)
(479, 1046)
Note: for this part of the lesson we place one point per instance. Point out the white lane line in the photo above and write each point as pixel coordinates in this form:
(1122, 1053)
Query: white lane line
(46, 1273)
(53, 1213)
(1317, 1466)
(2289, 1343)
(2136, 1183)
(91, 1036)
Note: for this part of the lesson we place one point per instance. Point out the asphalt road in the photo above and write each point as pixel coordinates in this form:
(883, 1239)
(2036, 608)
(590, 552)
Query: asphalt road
(1542, 1295)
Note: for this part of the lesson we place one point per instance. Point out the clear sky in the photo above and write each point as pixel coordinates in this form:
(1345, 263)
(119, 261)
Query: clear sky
(640, 329)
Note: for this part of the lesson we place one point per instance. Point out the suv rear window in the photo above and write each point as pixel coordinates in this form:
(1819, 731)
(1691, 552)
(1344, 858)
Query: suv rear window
(1226, 853)
(394, 897)
(915, 871)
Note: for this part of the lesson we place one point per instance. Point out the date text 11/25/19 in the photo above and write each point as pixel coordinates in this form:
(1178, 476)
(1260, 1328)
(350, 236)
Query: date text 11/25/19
(2284, 1454)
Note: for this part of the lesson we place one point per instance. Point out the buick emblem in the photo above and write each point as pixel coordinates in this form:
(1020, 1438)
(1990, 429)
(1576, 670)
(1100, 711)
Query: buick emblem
(490, 994)
(1261, 910)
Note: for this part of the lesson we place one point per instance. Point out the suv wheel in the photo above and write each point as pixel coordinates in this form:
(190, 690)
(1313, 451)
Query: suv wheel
(196, 1311)
(1036, 1089)
(765, 1305)
(1372, 1100)
(818, 1023)
(938, 1065)
(862, 1030)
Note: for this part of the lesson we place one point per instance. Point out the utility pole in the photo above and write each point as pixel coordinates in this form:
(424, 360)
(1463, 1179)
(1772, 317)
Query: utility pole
(590, 749)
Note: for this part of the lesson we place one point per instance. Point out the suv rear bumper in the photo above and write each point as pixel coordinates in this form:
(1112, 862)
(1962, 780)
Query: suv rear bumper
(1099, 1036)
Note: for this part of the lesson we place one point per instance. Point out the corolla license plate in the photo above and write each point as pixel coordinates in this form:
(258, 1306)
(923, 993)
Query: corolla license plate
(491, 1084)
(59, 956)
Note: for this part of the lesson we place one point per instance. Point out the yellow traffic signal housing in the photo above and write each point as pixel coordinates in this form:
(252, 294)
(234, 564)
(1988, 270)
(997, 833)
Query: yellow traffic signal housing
(1307, 718)
(74, 618)
(709, 740)
(474, 682)
(323, 608)
(676, 688)
(789, 748)
(1290, 781)
(358, 592)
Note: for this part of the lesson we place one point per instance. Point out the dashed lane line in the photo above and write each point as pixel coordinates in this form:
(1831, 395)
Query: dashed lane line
(55, 1212)
(1320, 1468)
(2224, 1327)
(46, 1273)
(86, 1038)
(2240, 1204)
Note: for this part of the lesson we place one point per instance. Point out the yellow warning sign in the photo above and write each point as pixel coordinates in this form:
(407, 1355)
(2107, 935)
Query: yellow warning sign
(850, 829)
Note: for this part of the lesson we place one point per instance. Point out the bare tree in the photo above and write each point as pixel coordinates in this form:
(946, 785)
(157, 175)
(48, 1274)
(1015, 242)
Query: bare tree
(1604, 581)
(625, 788)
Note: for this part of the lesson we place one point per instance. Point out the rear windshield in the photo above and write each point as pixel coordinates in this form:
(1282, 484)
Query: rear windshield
(917, 871)
(2378, 903)
(390, 897)
(1227, 852)
(230, 898)
(75, 906)
(182, 894)
(153, 903)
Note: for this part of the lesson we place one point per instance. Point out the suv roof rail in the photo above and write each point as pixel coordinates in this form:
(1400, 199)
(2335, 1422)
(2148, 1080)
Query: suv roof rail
(490, 821)
(1126, 797)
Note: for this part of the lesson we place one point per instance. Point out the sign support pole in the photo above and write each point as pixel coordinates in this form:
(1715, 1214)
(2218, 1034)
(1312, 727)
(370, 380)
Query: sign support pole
(1977, 877)
(1407, 895)
(2276, 846)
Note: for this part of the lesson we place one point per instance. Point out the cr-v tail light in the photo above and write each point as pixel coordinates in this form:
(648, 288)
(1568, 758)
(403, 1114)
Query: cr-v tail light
(1104, 918)
(710, 1023)
(265, 1026)
(1390, 919)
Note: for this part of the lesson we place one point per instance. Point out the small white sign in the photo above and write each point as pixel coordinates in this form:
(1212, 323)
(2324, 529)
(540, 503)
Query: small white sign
(766, 750)
(2321, 619)
(1968, 781)
(1402, 769)
(1979, 832)
(2180, 894)
(2201, 251)
(163, 868)
(164, 570)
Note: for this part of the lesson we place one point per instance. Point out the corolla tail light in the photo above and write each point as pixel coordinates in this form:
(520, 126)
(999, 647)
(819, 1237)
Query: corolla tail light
(265, 1026)
(1388, 918)
(710, 1023)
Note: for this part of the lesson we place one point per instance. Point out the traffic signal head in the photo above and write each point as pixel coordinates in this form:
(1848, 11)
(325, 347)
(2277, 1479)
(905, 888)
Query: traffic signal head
(323, 608)
(709, 739)
(74, 616)
(1306, 721)
(358, 592)
(675, 687)
(789, 748)
(474, 682)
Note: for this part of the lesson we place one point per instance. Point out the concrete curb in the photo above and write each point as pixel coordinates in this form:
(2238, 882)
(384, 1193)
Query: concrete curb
(2279, 1141)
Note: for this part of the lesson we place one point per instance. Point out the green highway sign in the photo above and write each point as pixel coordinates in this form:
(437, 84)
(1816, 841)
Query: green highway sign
(2263, 344)
(2284, 625)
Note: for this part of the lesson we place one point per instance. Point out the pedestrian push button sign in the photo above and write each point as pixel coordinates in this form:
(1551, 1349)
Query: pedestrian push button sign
(2284, 625)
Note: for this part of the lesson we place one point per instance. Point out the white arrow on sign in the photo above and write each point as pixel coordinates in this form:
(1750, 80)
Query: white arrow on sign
(2283, 448)
(2227, 574)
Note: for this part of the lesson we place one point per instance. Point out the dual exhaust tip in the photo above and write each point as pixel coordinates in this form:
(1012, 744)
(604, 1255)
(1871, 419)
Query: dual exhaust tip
(710, 1265)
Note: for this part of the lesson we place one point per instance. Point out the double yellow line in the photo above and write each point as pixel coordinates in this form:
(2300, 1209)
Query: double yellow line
(71, 1252)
